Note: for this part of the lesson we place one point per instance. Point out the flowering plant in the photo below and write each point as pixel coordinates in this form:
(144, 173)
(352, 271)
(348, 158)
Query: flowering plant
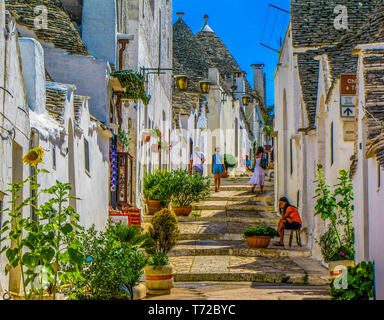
(336, 207)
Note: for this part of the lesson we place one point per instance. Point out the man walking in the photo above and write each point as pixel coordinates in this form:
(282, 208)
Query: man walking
(197, 160)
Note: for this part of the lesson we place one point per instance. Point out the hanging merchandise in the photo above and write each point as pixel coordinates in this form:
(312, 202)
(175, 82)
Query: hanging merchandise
(113, 161)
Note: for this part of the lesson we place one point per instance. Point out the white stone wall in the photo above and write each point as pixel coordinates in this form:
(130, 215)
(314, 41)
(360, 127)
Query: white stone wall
(13, 118)
(369, 198)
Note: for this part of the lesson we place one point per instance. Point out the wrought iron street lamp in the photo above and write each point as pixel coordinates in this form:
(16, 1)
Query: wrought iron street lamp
(205, 86)
(246, 100)
(182, 83)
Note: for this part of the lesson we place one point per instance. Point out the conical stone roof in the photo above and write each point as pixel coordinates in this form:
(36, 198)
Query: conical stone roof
(60, 30)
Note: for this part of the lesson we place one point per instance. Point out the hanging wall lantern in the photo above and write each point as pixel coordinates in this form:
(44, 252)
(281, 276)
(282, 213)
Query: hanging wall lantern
(182, 83)
(205, 86)
(246, 100)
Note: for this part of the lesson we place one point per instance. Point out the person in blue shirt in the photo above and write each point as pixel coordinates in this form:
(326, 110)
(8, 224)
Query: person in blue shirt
(248, 163)
(218, 168)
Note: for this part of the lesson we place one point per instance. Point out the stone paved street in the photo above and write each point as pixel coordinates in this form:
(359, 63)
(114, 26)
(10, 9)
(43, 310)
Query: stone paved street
(212, 249)
(243, 291)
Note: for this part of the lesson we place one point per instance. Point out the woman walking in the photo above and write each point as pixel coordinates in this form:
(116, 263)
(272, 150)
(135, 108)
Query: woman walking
(258, 176)
(218, 168)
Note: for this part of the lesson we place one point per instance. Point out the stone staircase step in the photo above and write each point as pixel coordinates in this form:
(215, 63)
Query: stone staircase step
(254, 269)
(242, 181)
(227, 216)
(240, 188)
(234, 206)
(221, 228)
(233, 248)
(241, 196)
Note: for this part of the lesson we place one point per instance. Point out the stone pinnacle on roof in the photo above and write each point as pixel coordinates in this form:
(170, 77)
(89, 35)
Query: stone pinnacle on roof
(180, 15)
(206, 27)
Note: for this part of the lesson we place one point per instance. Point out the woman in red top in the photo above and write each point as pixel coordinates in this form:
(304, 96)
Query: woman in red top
(290, 219)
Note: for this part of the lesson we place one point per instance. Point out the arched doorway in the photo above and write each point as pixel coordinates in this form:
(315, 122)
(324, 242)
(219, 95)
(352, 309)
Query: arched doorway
(71, 165)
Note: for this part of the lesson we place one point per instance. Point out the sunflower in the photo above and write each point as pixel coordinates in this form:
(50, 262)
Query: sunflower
(34, 156)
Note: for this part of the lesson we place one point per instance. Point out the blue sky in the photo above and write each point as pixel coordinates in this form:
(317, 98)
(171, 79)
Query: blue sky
(242, 25)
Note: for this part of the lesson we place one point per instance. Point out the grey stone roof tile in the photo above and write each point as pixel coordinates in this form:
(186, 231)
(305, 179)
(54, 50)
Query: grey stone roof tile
(60, 32)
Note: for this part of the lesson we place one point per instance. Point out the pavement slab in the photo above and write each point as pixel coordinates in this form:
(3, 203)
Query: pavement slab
(212, 248)
(243, 291)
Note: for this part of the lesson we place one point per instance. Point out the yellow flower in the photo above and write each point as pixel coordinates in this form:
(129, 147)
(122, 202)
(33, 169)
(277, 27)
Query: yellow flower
(34, 156)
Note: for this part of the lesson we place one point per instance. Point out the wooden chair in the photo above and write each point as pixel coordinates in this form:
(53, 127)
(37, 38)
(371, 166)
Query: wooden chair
(298, 236)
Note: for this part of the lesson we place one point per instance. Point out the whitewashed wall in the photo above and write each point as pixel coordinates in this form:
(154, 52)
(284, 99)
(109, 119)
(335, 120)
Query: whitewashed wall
(14, 118)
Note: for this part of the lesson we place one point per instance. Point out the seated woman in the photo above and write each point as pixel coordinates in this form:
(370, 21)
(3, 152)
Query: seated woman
(290, 219)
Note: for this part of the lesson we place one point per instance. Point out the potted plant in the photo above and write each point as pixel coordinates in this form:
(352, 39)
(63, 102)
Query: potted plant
(157, 190)
(159, 273)
(259, 237)
(335, 207)
(359, 284)
(114, 264)
(146, 136)
(230, 161)
(186, 190)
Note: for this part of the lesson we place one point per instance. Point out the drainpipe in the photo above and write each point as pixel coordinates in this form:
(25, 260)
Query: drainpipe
(123, 39)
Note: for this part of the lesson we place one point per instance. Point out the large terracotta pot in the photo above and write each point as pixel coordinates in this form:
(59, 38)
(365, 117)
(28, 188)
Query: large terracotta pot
(159, 280)
(258, 241)
(182, 211)
(153, 206)
(343, 263)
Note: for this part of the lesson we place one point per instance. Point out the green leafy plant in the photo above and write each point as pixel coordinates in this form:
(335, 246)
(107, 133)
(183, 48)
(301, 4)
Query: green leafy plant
(134, 83)
(164, 231)
(157, 186)
(158, 259)
(261, 231)
(112, 266)
(40, 246)
(125, 139)
(230, 161)
(360, 283)
(187, 188)
(267, 130)
(130, 236)
(335, 207)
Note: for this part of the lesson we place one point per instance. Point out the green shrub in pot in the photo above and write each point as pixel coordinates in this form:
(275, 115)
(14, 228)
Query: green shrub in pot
(261, 231)
(157, 186)
(188, 189)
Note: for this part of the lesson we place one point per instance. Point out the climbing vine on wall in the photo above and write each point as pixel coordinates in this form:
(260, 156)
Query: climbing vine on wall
(134, 82)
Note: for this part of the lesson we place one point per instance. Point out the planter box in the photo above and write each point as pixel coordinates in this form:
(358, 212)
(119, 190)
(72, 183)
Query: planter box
(258, 242)
(159, 280)
(182, 211)
(153, 206)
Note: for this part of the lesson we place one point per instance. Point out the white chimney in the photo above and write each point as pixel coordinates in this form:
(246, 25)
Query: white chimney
(32, 55)
(259, 80)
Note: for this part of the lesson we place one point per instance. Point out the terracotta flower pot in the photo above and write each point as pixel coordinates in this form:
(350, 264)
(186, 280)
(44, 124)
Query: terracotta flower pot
(182, 211)
(146, 137)
(159, 280)
(258, 241)
(343, 263)
(153, 206)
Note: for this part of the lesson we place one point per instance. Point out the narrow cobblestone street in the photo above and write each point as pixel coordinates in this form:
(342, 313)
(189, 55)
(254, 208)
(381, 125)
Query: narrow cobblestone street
(212, 248)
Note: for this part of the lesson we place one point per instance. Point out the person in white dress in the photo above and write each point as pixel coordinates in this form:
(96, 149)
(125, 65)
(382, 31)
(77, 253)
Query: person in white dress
(258, 176)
